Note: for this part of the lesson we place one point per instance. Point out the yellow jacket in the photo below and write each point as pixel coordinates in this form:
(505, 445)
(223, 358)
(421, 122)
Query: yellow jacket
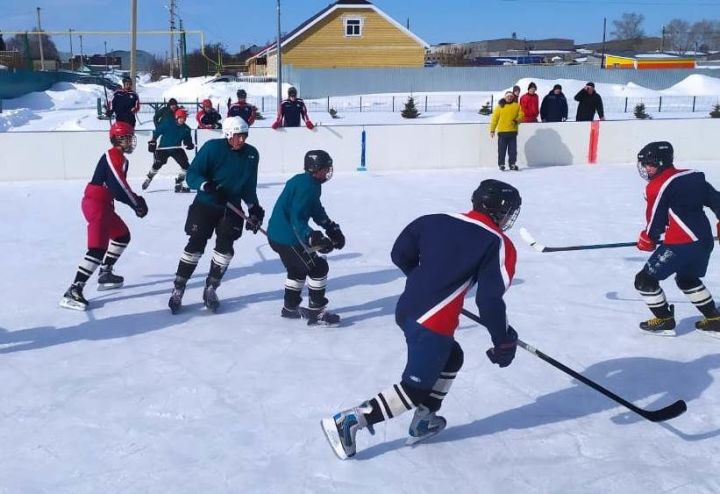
(506, 118)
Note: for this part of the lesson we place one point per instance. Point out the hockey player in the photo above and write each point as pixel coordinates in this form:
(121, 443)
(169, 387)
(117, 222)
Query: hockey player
(107, 233)
(225, 174)
(241, 108)
(125, 103)
(292, 112)
(208, 117)
(443, 256)
(172, 133)
(675, 201)
(293, 239)
(166, 112)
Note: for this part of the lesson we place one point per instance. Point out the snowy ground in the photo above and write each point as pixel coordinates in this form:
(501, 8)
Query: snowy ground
(69, 106)
(128, 398)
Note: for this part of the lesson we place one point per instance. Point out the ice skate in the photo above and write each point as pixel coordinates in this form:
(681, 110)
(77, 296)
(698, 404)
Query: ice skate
(210, 298)
(710, 326)
(341, 429)
(147, 181)
(175, 302)
(107, 280)
(321, 317)
(514, 167)
(660, 326)
(293, 313)
(180, 184)
(73, 298)
(425, 424)
(502, 168)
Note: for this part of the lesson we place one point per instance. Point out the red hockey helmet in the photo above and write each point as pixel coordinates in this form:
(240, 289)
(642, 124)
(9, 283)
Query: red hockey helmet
(206, 103)
(123, 134)
(181, 113)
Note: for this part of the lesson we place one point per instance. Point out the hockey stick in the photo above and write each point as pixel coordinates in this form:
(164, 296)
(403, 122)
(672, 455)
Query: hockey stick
(527, 237)
(669, 412)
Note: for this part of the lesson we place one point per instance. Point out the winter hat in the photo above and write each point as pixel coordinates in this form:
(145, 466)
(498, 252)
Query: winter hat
(172, 101)
(516, 89)
(532, 85)
(591, 84)
(557, 86)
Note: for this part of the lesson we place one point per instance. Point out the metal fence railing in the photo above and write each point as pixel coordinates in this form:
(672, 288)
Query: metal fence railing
(437, 103)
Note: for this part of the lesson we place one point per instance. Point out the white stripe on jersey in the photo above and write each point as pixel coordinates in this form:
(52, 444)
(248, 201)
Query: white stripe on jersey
(121, 180)
(501, 254)
(659, 196)
(682, 225)
(445, 302)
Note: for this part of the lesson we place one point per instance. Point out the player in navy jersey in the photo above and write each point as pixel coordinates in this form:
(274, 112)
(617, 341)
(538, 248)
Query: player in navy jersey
(241, 108)
(125, 103)
(443, 256)
(108, 236)
(292, 112)
(675, 216)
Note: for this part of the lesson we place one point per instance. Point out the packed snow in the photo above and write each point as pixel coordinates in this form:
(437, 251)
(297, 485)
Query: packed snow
(40, 111)
(129, 398)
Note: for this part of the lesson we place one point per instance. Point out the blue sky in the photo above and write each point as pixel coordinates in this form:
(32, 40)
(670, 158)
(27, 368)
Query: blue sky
(238, 22)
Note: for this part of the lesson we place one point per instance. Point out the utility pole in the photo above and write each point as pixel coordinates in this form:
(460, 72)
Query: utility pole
(279, 61)
(72, 63)
(662, 41)
(106, 60)
(42, 56)
(172, 38)
(181, 50)
(82, 57)
(133, 40)
(602, 55)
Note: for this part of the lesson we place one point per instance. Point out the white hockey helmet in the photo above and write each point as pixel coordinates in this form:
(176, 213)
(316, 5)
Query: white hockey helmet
(234, 125)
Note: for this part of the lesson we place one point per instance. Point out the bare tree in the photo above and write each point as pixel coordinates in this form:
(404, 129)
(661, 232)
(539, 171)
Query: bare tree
(677, 36)
(629, 26)
(18, 43)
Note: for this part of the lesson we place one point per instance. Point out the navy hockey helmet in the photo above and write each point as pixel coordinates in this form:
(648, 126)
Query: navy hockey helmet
(319, 164)
(241, 94)
(292, 92)
(500, 201)
(658, 154)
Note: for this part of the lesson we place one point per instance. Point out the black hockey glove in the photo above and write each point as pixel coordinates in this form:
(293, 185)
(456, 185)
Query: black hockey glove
(256, 214)
(323, 244)
(504, 353)
(141, 210)
(215, 190)
(336, 235)
(152, 146)
(190, 146)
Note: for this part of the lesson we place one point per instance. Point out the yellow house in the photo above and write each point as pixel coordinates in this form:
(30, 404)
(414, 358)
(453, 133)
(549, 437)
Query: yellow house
(648, 61)
(347, 33)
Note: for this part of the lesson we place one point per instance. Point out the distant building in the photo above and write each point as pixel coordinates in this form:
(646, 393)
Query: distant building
(503, 52)
(642, 61)
(347, 33)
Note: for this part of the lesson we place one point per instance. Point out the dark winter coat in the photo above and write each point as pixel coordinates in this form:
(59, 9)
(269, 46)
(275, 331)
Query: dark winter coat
(298, 203)
(588, 104)
(554, 107)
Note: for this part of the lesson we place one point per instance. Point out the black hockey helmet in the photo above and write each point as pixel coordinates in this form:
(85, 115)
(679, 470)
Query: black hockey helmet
(658, 154)
(126, 78)
(241, 94)
(292, 92)
(500, 201)
(319, 164)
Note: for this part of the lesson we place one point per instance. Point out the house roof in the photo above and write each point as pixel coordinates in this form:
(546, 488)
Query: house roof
(639, 55)
(338, 5)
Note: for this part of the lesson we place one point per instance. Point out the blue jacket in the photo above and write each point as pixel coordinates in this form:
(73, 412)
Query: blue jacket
(125, 104)
(554, 108)
(292, 113)
(235, 171)
(172, 134)
(443, 256)
(297, 204)
(110, 174)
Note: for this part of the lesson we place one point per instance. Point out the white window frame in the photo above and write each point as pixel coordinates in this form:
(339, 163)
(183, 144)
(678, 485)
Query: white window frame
(357, 23)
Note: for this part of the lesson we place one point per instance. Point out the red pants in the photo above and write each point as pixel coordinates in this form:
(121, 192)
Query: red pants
(103, 223)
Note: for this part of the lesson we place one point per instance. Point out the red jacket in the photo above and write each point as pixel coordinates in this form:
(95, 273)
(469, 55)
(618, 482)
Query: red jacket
(530, 107)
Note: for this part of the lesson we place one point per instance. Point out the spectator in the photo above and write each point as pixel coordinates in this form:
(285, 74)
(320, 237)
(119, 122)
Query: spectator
(292, 110)
(530, 104)
(505, 119)
(165, 112)
(554, 106)
(589, 102)
(2, 44)
(125, 103)
(516, 93)
(242, 109)
(208, 117)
